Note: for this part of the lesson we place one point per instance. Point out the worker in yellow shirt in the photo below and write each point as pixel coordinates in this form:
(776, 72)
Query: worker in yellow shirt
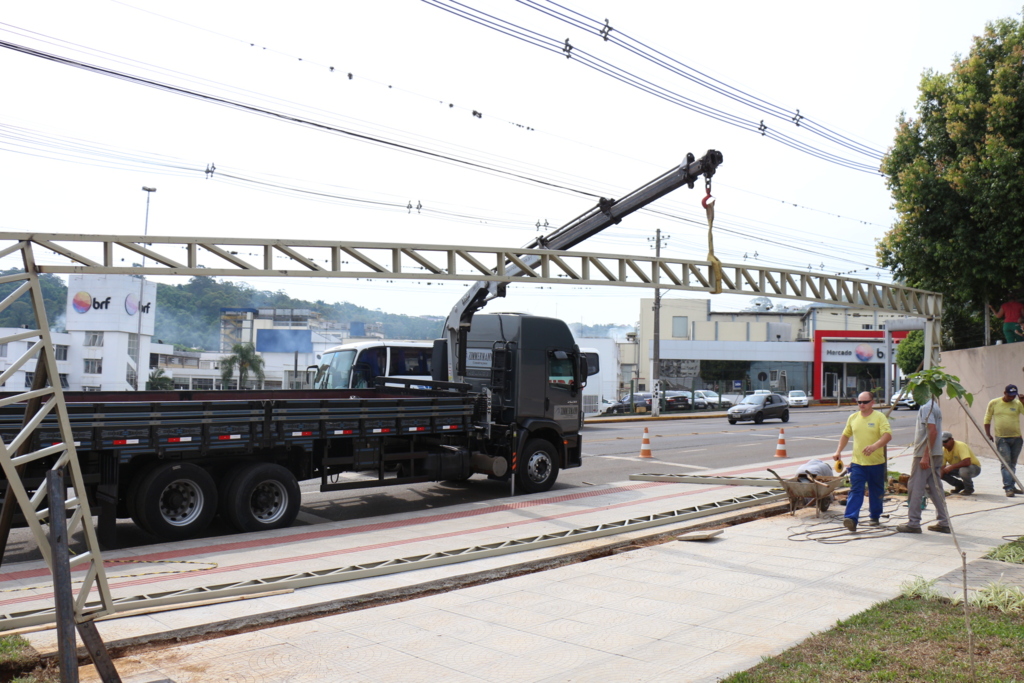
(1003, 414)
(870, 431)
(960, 465)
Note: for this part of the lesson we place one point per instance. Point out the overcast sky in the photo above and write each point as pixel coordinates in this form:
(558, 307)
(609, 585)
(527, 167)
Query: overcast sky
(76, 147)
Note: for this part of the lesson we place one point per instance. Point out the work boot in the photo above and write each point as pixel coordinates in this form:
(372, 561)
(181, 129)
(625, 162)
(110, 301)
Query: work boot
(907, 529)
(937, 527)
(968, 492)
(1009, 493)
(850, 523)
(957, 490)
(873, 522)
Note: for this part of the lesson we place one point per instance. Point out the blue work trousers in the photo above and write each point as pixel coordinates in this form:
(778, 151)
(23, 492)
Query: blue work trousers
(874, 477)
(1009, 448)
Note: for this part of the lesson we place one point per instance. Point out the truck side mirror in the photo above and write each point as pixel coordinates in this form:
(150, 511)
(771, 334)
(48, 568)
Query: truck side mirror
(592, 363)
(439, 360)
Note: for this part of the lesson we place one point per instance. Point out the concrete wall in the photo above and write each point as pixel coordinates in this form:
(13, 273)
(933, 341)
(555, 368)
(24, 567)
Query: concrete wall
(984, 371)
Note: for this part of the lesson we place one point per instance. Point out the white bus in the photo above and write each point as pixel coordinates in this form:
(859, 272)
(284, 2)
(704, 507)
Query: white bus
(356, 364)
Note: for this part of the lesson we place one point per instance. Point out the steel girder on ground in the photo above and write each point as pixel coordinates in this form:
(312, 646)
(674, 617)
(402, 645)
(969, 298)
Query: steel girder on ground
(319, 258)
(405, 564)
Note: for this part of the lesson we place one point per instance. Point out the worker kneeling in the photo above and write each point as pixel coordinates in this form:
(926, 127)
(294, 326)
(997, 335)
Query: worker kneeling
(960, 465)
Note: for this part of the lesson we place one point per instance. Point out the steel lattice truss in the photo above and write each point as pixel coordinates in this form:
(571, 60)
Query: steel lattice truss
(317, 258)
(40, 402)
(415, 562)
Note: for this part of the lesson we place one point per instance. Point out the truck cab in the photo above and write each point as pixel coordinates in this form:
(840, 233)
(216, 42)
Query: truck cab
(533, 373)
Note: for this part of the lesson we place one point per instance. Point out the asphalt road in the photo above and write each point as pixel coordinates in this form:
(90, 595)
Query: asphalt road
(610, 454)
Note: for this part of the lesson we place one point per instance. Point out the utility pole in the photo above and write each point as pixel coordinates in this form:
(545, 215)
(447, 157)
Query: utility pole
(656, 370)
(139, 382)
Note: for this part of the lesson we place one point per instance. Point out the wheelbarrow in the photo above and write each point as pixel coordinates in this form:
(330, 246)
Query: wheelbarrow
(817, 491)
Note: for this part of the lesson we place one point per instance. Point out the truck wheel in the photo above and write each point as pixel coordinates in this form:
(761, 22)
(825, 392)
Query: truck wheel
(260, 497)
(175, 501)
(537, 468)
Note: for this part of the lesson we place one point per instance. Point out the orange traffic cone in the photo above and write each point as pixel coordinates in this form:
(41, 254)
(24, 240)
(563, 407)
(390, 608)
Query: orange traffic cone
(780, 449)
(645, 447)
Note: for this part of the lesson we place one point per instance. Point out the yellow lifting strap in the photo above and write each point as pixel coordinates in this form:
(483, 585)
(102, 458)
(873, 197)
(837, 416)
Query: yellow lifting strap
(716, 266)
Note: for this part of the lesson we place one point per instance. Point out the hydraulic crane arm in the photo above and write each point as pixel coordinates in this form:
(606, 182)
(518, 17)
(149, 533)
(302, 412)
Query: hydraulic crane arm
(607, 212)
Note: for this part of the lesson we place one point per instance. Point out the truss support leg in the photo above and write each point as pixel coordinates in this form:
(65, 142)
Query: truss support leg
(98, 651)
(7, 511)
(63, 600)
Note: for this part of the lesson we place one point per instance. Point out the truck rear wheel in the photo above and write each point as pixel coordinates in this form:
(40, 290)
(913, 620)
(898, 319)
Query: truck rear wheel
(175, 501)
(537, 468)
(260, 497)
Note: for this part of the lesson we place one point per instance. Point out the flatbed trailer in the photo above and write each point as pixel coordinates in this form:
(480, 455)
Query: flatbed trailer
(172, 460)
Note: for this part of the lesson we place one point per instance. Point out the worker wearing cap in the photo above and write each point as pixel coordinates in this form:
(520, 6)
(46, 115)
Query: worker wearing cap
(960, 465)
(871, 432)
(1004, 415)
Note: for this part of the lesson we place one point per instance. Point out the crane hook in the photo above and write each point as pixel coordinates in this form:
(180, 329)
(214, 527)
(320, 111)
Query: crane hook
(707, 188)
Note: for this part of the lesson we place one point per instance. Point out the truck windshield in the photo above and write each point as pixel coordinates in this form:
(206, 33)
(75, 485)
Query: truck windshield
(335, 370)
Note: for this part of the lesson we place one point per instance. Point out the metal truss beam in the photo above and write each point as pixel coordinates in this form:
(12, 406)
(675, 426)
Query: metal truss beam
(404, 564)
(316, 258)
(705, 479)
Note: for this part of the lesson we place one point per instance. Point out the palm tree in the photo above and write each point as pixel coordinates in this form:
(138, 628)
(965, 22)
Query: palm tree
(158, 381)
(248, 361)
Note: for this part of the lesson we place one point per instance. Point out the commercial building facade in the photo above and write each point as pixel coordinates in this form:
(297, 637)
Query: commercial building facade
(828, 351)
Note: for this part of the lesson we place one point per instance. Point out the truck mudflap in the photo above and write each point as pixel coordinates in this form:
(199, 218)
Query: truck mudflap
(573, 456)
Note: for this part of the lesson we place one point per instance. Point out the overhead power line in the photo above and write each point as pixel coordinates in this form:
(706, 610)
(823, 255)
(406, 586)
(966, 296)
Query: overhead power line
(288, 118)
(566, 49)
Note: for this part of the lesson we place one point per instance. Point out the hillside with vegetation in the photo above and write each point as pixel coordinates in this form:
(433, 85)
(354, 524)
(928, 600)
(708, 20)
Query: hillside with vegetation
(188, 315)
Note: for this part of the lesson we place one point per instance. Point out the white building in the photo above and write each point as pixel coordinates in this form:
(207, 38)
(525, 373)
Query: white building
(108, 331)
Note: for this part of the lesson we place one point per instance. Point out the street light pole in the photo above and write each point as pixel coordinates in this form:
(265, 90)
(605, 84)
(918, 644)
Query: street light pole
(138, 310)
(656, 370)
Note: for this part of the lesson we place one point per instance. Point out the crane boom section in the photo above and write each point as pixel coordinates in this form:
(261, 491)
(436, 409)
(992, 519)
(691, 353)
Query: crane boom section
(606, 213)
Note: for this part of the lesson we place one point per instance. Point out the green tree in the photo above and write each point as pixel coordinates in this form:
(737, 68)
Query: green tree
(55, 299)
(910, 352)
(957, 181)
(245, 358)
(158, 381)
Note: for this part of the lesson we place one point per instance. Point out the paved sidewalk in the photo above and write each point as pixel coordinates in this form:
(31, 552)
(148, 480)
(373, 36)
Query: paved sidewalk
(680, 611)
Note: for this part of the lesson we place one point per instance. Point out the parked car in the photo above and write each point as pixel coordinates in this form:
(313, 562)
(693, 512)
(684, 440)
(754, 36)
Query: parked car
(705, 398)
(641, 400)
(760, 407)
(799, 399)
(677, 400)
(905, 401)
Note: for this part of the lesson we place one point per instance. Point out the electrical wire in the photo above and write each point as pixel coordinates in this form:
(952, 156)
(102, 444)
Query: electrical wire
(557, 47)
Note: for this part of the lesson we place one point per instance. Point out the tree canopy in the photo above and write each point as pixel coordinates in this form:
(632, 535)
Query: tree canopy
(956, 174)
(245, 358)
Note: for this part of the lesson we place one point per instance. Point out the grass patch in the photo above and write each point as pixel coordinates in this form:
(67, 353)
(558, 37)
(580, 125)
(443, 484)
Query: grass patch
(16, 656)
(1009, 552)
(906, 639)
